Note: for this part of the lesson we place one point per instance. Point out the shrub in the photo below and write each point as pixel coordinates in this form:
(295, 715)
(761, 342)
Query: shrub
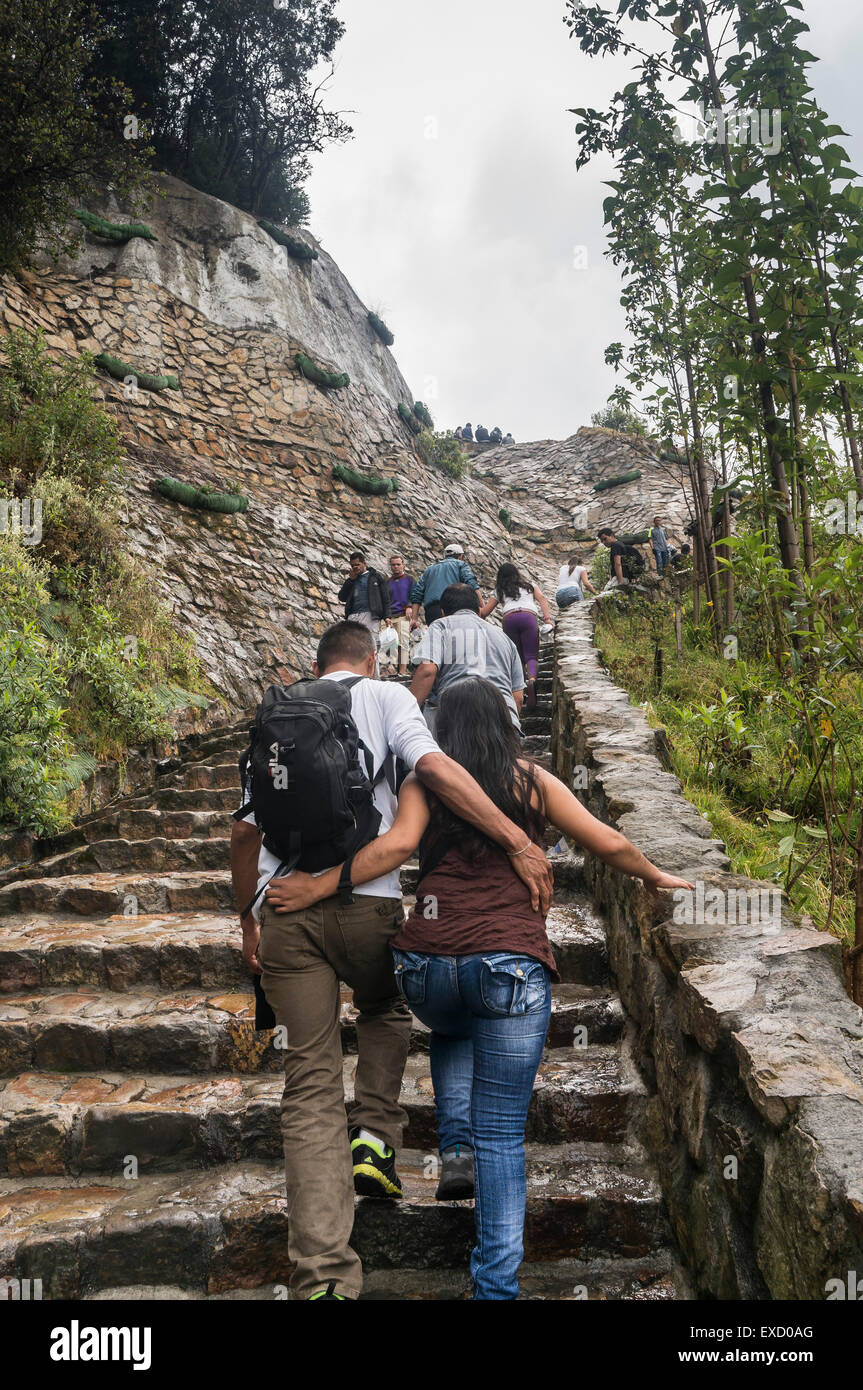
(606, 483)
(635, 537)
(113, 231)
(443, 451)
(296, 248)
(505, 516)
(364, 482)
(615, 417)
(408, 418)
(90, 659)
(381, 329)
(423, 415)
(333, 381)
(49, 421)
(121, 370)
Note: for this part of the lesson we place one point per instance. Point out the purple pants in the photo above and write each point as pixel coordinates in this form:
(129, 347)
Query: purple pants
(523, 629)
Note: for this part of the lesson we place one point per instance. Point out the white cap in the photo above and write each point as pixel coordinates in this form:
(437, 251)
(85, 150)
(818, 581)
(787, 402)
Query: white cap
(454, 549)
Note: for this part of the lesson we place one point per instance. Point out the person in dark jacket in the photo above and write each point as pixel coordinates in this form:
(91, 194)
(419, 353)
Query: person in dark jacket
(365, 594)
(496, 437)
(481, 434)
(467, 432)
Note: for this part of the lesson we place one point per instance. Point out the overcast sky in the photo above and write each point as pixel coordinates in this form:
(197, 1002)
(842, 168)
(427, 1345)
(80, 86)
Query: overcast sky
(457, 212)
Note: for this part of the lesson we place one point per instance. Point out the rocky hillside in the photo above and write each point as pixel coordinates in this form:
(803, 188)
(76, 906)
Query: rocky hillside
(214, 300)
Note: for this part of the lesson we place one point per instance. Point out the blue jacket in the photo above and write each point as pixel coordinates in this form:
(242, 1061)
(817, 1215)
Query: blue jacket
(439, 576)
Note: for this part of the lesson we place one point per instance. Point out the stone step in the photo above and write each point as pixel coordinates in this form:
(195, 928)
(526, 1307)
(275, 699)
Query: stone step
(160, 854)
(193, 1030)
(175, 799)
(107, 894)
(653, 1279)
(226, 1228)
(133, 839)
(203, 776)
(73, 1121)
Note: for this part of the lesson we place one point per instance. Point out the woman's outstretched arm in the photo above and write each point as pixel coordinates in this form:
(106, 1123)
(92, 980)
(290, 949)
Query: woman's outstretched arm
(567, 813)
(380, 856)
(488, 607)
(543, 603)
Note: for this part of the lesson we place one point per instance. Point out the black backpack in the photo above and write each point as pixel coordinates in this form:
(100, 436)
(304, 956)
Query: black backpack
(632, 563)
(308, 777)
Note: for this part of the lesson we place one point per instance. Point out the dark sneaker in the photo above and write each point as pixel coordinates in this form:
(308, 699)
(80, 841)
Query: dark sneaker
(328, 1292)
(374, 1169)
(456, 1175)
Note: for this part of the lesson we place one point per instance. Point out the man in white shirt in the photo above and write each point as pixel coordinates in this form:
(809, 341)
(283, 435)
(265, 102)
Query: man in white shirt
(304, 955)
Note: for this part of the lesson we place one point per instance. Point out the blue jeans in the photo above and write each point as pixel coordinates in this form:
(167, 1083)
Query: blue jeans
(489, 1016)
(571, 594)
(661, 557)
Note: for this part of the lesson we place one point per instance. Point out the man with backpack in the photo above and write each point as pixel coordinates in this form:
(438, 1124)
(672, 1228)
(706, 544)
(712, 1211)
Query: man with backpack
(452, 569)
(319, 781)
(627, 563)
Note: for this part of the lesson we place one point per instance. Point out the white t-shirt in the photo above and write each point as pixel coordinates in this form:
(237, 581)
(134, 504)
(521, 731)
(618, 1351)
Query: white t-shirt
(389, 720)
(524, 602)
(568, 577)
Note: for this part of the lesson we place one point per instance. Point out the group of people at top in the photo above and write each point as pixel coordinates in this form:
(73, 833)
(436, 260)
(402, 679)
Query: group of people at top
(483, 436)
(458, 641)
(471, 960)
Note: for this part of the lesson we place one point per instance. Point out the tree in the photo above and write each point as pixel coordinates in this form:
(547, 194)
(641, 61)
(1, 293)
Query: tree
(61, 124)
(227, 89)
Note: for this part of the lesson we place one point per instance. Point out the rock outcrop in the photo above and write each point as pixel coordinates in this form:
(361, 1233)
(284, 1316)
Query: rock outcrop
(214, 300)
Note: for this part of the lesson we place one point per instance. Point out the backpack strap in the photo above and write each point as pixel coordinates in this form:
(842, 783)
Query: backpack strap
(285, 867)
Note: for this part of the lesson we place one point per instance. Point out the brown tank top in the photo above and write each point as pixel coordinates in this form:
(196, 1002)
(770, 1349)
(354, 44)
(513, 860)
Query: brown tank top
(467, 906)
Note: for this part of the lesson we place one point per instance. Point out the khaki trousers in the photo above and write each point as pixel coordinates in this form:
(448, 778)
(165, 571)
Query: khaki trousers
(403, 628)
(304, 955)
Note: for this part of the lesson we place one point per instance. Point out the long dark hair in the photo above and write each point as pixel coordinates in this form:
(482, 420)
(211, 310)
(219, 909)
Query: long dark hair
(475, 729)
(509, 582)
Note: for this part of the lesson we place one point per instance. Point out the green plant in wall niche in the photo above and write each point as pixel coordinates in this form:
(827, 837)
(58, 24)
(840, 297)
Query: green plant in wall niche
(121, 370)
(635, 537)
(113, 231)
(332, 381)
(203, 498)
(364, 482)
(296, 248)
(381, 329)
(621, 478)
(423, 414)
(505, 516)
(409, 418)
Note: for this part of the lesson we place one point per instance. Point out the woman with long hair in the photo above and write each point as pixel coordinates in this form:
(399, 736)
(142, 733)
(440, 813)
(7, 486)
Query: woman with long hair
(473, 959)
(572, 582)
(521, 602)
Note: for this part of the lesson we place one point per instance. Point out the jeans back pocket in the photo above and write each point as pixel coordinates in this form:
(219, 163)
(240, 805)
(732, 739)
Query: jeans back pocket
(410, 972)
(513, 985)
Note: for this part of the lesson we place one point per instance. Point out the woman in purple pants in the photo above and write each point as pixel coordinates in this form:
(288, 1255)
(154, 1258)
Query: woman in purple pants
(521, 603)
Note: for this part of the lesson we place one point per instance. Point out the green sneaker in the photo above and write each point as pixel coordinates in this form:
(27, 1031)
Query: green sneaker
(374, 1169)
(328, 1292)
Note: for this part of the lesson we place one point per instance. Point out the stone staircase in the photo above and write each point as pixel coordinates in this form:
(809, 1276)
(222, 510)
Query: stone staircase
(139, 1109)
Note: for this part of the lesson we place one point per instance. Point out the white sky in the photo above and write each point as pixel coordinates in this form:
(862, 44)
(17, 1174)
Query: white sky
(466, 241)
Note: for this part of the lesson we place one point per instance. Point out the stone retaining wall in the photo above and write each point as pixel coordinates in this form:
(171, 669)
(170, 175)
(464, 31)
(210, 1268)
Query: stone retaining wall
(745, 1031)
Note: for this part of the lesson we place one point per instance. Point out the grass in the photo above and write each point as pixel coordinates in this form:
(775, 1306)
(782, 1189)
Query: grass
(750, 776)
